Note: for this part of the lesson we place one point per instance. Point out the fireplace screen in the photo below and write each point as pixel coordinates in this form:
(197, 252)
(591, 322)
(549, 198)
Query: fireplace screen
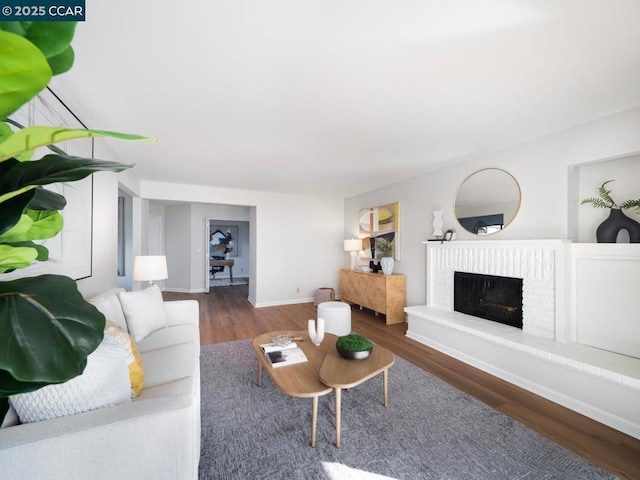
(489, 297)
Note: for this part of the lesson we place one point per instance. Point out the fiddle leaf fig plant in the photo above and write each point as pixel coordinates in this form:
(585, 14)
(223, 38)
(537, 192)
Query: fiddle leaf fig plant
(47, 329)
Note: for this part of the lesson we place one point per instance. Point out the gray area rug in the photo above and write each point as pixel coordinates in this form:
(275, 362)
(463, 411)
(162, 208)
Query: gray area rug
(429, 431)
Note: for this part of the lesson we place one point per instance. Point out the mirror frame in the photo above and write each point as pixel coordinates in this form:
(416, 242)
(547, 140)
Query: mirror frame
(506, 222)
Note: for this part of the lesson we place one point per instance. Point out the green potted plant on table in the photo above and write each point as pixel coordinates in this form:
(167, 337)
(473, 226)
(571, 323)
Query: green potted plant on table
(608, 230)
(354, 346)
(47, 329)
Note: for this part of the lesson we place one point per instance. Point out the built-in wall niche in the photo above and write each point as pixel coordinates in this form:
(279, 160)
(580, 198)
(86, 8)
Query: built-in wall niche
(584, 180)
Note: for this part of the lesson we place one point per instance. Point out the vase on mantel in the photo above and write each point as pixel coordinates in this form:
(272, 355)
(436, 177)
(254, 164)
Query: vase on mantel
(608, 230)
(387, 265)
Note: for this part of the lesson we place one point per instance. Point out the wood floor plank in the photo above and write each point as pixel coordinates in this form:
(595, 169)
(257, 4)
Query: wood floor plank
(226, 315)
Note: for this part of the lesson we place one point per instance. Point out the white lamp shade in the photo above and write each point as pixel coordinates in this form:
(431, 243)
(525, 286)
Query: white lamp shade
(353, 245)
(150, 267)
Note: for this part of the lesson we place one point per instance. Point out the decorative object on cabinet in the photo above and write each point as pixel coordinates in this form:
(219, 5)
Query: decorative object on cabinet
(353, 246)
(384, 252)
(487, 201)
(380, 293)
(608, 230)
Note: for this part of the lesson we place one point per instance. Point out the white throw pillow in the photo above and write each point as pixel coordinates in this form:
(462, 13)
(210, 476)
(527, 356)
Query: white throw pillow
(144, 311)
(108, 304)
(105, 381)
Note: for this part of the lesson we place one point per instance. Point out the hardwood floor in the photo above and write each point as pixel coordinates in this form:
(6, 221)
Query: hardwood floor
(226, 315)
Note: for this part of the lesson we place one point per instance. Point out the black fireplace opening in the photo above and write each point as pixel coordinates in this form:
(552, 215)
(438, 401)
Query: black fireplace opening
(489, 297)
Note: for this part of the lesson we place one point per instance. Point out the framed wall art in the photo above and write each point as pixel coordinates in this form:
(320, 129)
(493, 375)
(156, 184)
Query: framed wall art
(70, 252)
(382, 224)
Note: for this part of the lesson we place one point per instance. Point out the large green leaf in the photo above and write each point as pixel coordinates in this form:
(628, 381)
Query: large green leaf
(22, 226)
(19, 28)
(35, 225)
(62, 62)
(24, 72)
(47, 329)
(12, 258)
(43, 252)
(5, 132)
(39, 136)
(46, 200)
(23, 176)
(11, 386)
(4, 405)
(52, 38)
(11, 209)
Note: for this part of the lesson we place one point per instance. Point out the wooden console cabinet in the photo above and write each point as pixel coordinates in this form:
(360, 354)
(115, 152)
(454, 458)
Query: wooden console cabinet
(378, 292)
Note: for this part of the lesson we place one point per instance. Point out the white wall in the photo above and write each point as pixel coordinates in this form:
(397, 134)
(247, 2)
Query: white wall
(540, 166)
(104, 235)
(177, 247)
(105, 224)
(296, 240)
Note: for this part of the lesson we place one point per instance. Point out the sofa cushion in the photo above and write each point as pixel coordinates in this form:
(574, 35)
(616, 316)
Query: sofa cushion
(170, 363)
(144, 311)
(183, 386)
(166, 337)
(134, 360)
(105, 381)
(108, 304)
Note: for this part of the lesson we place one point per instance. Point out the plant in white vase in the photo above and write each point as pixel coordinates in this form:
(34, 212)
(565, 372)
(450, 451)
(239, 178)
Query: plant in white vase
(384, 252)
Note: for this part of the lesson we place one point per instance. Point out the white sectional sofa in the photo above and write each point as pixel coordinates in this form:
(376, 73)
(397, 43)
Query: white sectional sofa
(154, 436)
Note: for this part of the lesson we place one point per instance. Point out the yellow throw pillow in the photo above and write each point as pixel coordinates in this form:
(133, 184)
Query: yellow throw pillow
(134, 360)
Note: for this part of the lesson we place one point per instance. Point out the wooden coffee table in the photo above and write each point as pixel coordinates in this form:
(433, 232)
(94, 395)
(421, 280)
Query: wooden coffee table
(340, 373)
(324, 371)
(300, 379)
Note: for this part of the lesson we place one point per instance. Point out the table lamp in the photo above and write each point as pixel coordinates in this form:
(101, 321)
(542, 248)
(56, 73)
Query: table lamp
(353, 246)
(149, 268)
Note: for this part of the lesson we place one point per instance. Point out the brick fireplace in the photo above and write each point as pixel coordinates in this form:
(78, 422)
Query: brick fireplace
(540, 264)
(548, 356)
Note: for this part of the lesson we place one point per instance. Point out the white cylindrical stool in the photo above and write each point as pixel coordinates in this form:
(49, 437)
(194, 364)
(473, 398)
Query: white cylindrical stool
(337, 317)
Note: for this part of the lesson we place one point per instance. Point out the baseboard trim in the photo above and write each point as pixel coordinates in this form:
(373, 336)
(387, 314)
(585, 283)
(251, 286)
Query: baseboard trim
(183, 290)
(281, 302)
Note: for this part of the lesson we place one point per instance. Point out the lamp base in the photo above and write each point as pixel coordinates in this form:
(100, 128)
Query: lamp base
(354, 258)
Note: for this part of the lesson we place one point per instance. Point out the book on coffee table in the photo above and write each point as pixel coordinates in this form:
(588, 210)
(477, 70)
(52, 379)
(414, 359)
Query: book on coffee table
(280, 356)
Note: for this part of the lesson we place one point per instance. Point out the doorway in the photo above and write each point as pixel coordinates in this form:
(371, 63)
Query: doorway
(227, 253)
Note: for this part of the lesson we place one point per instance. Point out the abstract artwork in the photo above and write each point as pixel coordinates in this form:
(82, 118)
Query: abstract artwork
(223, 240)
(380, 223)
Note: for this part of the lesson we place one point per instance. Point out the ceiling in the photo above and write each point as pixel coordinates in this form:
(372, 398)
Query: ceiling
(340, 97)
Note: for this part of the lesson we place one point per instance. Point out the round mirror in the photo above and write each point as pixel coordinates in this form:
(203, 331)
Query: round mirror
(487, 201)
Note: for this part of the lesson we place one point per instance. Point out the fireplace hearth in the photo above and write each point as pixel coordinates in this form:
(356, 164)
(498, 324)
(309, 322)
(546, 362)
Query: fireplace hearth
(488, 296)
